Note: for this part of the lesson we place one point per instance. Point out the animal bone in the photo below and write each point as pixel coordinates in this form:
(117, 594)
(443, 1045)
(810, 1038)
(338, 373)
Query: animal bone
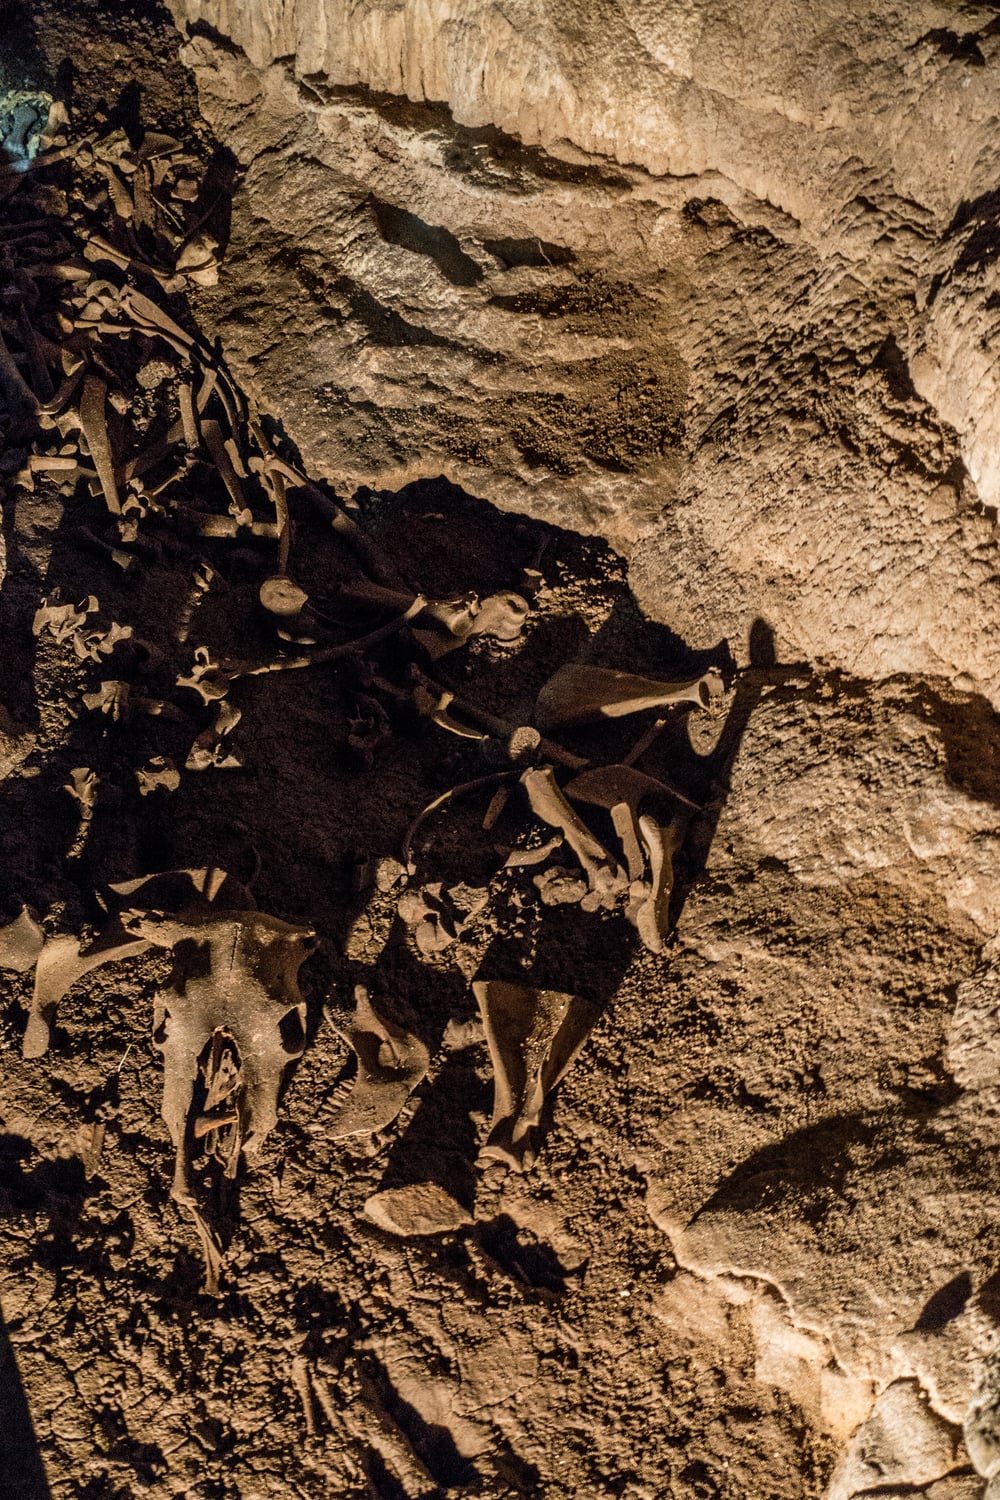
(604, 876)
(233, 1007)
(391, 1063)
(111, 698)
(558, 886)
(511, 734)
(534, 1035)
(61, 620)
(620, 789)
(160, 772)
(439, 917)
(61, 964)
(661, 843)
(95, 428)
(579, 694)
(62, 961)
(21, 942)
(212, 433)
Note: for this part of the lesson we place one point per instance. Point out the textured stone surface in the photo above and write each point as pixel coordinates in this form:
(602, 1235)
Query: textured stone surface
(735, 314)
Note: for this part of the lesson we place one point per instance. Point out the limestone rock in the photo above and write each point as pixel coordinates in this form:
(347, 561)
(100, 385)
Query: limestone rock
(736, 322)
(903, 1442)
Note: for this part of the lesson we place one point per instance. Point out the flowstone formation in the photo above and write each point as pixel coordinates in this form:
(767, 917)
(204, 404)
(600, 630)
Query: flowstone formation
(486, 1013)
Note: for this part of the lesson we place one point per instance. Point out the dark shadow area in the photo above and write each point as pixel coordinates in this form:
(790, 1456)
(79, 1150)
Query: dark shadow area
(530, 252)
(432, 1444)
(22, 1475)
(527, 1261)
(399, 227)
(947, 1303)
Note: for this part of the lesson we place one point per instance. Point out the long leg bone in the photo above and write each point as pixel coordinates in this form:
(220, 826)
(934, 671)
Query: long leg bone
(661, 843)
(579, 694)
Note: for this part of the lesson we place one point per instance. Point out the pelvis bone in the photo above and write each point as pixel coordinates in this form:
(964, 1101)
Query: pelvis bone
(534, 1036)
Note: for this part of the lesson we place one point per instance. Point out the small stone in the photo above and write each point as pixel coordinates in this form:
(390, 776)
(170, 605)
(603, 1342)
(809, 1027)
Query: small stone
(420, 1208)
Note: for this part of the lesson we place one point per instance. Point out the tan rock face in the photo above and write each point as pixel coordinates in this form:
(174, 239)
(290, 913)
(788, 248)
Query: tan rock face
(718, 284)
(735, 314)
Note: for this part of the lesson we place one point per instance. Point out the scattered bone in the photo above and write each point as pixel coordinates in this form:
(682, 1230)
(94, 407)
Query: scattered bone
(533, 1035)
(144, 312)
(235, 977)
(158, 774)
(605, 877)
(559, 886)
(208, 748)
(583, 695)
(661, 845)
(95, 429)
(20, 943)
(95, 644)
(498, 802)
(62, 620)
(521, 739)
(206, 677)
(434, 706)
(198, 260)
(519, 859)
(620, 790)
(111, 698)
(215, 443)
(391, 1063)
(282, 598)
(421, 1208)
(61, 963)
(437, 916)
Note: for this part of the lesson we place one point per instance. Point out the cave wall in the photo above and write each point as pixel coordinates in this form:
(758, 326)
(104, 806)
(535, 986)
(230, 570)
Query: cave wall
(714, 284)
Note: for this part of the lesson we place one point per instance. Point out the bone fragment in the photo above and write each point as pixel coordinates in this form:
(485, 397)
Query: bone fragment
(235, 974)
(509, 733)
(579, 694)
(604, 876)
(95, 428)
(391, 1063)
(61, 964)
(158, 774)
(21, 942)
(282, 598)
(621, 789)
(661, 844)
(533, 1036)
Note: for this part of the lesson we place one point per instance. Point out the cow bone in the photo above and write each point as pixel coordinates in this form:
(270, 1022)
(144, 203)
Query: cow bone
(661, 844)
(604, 876)
(533, 1035)
(95, 429)
(235, 976)
(580, 694)
(620, 789)
(391, 1063)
